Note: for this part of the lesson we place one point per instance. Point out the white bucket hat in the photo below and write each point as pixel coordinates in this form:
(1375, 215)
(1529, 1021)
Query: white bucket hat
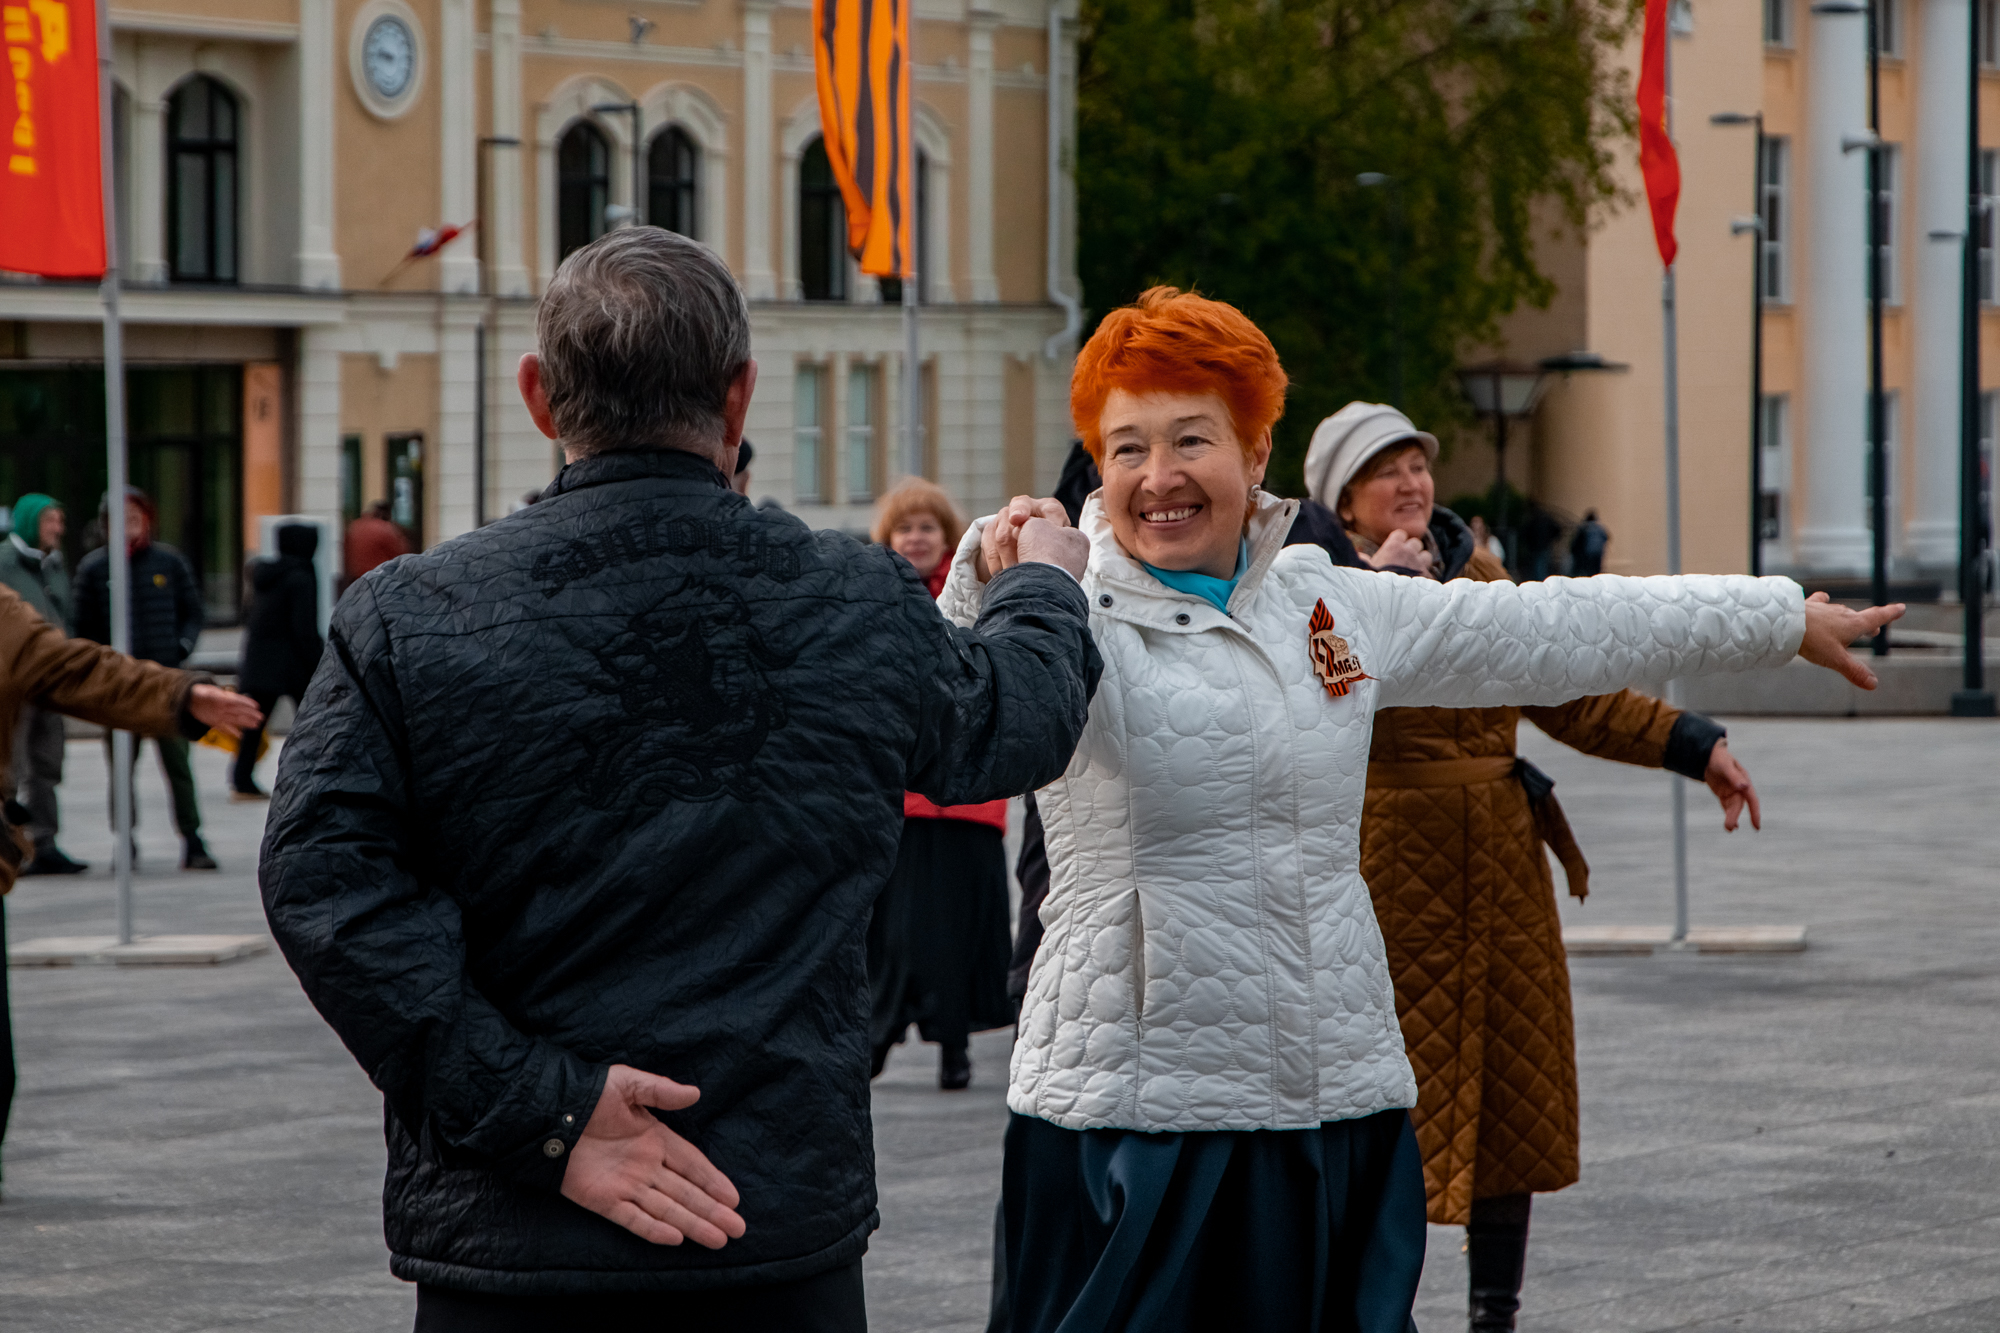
(1345, 441)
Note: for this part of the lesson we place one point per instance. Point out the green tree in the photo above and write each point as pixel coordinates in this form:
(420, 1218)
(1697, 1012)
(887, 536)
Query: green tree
(1220, 141)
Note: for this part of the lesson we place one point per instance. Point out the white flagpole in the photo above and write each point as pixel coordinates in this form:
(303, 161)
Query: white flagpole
(114, 474)
(1673, 424)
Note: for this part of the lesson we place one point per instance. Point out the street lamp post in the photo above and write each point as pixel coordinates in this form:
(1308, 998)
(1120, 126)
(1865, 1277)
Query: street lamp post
(1502, 389)
(1878, 415)
(633, 110)
(1754, 224)
(1972, 699)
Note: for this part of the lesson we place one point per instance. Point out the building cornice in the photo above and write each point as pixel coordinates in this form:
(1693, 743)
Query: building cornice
(283, 308)
(203, 25)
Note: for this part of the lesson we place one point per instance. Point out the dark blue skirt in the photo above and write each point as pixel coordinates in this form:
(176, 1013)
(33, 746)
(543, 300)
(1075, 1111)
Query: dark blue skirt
(1283, 1231)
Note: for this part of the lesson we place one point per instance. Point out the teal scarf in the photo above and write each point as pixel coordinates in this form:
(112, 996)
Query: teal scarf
(1205, 586)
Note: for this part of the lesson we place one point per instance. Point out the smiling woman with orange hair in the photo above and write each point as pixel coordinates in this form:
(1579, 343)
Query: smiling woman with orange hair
(1210, 1092)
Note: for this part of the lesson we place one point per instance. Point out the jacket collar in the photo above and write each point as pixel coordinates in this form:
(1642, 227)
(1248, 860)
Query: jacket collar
(1138, 596)
(635, 465)
(29, 557)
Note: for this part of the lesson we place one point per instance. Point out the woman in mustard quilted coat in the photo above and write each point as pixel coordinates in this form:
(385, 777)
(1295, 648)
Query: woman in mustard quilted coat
(1451, 847)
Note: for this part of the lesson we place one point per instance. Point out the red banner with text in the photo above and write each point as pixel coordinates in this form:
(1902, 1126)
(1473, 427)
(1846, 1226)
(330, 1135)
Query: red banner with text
(51, 189)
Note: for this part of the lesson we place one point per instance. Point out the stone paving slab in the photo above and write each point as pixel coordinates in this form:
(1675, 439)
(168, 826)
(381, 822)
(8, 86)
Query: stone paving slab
(1803, 1143)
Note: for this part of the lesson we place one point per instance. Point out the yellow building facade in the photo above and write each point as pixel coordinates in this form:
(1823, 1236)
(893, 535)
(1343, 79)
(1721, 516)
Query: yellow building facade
(1597, 439)
(278, 159)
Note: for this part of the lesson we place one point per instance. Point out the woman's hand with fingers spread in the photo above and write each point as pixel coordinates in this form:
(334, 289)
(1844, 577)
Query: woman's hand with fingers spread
(1830, 627)
(1731, 785)
(635, 1171)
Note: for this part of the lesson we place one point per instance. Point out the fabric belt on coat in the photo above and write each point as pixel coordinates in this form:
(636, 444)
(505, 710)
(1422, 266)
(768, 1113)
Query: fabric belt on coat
(1551, 825)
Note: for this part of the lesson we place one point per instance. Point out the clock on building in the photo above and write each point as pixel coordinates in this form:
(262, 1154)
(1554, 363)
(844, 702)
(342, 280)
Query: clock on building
(389, 57)
(386, 57)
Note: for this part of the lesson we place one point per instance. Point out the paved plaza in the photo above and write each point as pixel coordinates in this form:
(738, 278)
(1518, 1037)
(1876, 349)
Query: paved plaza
(1807, 1142)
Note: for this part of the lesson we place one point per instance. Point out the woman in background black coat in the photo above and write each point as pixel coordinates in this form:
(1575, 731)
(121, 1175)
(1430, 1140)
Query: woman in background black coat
(281, 640)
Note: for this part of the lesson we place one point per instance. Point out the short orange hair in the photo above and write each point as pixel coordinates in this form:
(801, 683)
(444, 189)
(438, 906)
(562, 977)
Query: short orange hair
(1171, 341)
(914, 495)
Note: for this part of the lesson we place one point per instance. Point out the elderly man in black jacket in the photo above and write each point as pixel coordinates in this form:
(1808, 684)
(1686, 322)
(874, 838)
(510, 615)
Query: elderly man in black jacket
(166, 618)
(577, 835)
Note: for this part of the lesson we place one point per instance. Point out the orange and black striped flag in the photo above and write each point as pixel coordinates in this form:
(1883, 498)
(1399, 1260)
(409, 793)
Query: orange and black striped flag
(861, 57)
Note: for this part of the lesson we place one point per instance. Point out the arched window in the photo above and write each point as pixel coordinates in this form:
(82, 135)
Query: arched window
(822, 228)
(583, 168)
(201, 182)
(892, 288)
(672, 165)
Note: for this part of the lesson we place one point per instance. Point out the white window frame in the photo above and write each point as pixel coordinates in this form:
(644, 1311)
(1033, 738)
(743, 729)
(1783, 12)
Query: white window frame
(1774, 206)
(808, 430)
(1889, 198)
(1778, 23)
(1773, 526)
(1889, 17)
(858, 482)
(1989, 178)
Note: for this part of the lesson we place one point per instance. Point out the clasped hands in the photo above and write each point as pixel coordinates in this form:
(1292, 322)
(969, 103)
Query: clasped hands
(1030, 530)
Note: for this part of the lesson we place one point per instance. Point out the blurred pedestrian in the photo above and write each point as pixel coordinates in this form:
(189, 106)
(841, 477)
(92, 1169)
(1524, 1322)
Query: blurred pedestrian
(32, 565)
(1539, 534)
(1586, 547)
(166, 620)
(78, 679)
(599, 798)
(1452, 849)
(937, 942)
(281, 641)
(372, 540)
(740, 483)
(1484, 540)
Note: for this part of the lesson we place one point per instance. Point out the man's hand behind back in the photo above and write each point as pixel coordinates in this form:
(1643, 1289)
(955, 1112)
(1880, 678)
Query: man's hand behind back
(634, 1170)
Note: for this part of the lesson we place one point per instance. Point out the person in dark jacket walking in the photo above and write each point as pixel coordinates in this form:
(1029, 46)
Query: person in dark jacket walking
(31, 564)
(166, 620)
(582, 818)
(281, 641)
(1586, 547)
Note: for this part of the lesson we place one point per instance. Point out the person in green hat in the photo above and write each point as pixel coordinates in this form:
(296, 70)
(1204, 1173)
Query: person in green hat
(32, 565)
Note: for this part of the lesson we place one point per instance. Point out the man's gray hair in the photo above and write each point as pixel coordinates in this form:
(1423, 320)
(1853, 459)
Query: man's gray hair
(641, 332)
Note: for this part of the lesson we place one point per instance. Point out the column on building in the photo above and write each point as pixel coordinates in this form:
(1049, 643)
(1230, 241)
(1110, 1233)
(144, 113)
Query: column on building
(979, 149)
(147, 205)
(458, 265)
(458, 389)
(319, 422)
(1833, 534)
(760, 277)
(1941, 188)
(318, 263)
(505, 239)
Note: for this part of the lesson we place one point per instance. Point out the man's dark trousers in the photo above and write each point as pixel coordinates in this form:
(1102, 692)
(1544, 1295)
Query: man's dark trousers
(38, 769)
(174, 766)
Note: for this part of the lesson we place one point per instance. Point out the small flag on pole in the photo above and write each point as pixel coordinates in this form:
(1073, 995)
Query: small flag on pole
(861, 58)
(51, 190)
(1658, 162)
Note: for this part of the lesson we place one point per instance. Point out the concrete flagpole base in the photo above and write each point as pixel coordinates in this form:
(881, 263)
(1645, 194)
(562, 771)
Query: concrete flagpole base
(1598, 941)
(143, 951)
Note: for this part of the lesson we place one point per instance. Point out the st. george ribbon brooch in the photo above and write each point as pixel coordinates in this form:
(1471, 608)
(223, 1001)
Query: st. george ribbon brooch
(1333, 661)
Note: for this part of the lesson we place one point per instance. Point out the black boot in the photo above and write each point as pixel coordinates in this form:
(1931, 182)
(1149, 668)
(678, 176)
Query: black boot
(194, 855)
(954, 1069)
(1496, 1249)
(50, 860)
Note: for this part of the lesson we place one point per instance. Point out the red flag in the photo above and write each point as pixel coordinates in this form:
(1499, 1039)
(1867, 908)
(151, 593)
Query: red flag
(1657, 161)
(51, 190)
(861, 59)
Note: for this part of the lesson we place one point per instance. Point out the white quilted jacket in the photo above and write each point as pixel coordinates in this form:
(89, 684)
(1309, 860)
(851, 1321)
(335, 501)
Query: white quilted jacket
(1211, 960)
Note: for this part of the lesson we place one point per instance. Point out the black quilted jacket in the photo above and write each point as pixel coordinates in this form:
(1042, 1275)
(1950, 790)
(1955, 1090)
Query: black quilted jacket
(617, 780)
(166, 605)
